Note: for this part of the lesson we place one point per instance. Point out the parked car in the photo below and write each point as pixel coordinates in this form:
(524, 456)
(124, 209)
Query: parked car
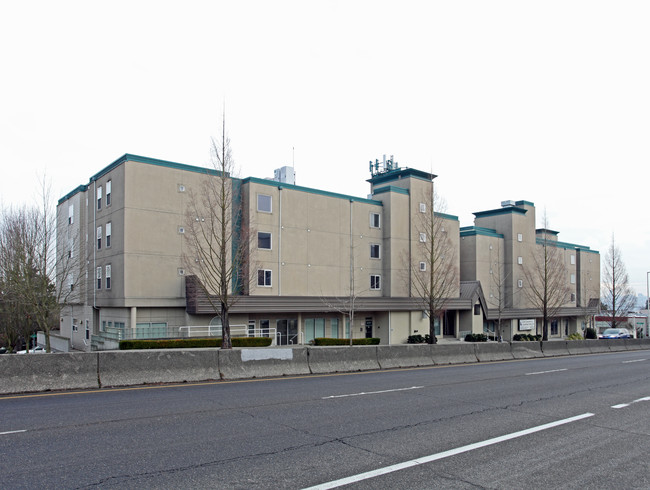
(615, 333)
(35, 350)
(3, 350)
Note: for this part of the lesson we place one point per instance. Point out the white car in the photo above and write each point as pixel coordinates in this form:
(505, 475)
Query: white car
(36, 350)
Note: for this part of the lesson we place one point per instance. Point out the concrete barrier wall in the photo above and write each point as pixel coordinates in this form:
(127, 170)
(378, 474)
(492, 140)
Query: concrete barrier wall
(342, 359)
(43, 372)
(499, 351)
(259, 363)
(134, 367)
(556, 348)
(404, 356)
(526, 350)
(65, 371)
(454, 354)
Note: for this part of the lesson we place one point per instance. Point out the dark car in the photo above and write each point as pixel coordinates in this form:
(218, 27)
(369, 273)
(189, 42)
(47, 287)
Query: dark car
(615, 333)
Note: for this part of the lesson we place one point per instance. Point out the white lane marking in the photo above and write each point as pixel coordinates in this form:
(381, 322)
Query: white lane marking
(445, 454)
(638, 400)
(546, 372)
(634, 360)
(12, 432)
(373, 392)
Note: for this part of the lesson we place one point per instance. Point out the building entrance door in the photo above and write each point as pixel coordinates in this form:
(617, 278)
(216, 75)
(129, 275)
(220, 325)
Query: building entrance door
(368, 328)
(287, 332)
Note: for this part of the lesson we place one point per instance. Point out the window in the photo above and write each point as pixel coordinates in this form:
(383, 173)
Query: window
(423, 237)
(375, 252)
(554, 327)
(520, 237)
(520, 260)
(108, 277)
(573, 278)
(264, 240)
(334, 328)
(108, 193)
(71, 214)
(264, 277)
(520, 283)
(573, 297)
(375, 282)
(99, 277)
(264, 203)
(99, 237)
(477, 309)
(375, 220)
(108, 232)
(423, 266)
(75, 327)
(573, 260)
(99, 197)
(423, 207)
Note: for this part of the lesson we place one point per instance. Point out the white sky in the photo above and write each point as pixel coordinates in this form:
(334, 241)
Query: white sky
(545, 101)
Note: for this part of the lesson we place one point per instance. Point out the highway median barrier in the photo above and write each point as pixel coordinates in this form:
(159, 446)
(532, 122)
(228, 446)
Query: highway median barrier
(493, 351)
(462, 353)
(526, 350)
(135, 367)
(263, 362)
(21, 373)
(348, 359)
(576, 347)
(404, 356)
(555, 348)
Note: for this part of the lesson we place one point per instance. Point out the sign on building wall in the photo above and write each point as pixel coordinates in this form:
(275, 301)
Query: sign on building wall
(528, 324)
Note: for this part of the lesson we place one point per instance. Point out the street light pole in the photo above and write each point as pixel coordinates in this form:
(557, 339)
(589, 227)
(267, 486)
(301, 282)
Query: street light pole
(647, 303)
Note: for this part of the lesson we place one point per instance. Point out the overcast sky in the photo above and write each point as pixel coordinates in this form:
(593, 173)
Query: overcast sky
(544, 101)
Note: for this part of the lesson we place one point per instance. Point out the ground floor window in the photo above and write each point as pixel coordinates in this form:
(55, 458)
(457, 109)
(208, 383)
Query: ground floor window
(334, 328)
(554, 327)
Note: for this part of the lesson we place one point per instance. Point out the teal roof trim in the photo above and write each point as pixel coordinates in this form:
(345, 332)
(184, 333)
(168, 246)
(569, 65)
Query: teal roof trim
(524, 203)
(477, 230)
(152, 161)
(500, 211)
(81, 188)
(565, 245)
(391, 188)
(450, 217)
(282, 185)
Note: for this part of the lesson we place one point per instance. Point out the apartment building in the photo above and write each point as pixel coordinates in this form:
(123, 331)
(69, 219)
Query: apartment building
(312, 253)
(503, 251)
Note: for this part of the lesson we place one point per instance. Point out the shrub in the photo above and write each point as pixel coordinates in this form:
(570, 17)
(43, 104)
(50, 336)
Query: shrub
(192, 343)
(329, 341)
(590, 333)
(415, 339)
(575, 336)
(526, 337)
(475, 337)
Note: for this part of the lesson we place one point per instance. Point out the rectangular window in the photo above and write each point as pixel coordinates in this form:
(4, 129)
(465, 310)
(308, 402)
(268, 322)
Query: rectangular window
(375, 252)
(71, 214)
(99, 237)
(477, 309)
(264, 277)
(375, 282)
(573, 278)
(375, 220)
(264, 203)
(334, 328)
(108, 193)
(423, 266)
(520, 237)
(264, 240)
(108, 277)
(423, 237)
(554, 327)
(108, 233)
(520, 283)
(99, 197)
(423, 207)
(99, 277)
(520, 260)
(573, 260)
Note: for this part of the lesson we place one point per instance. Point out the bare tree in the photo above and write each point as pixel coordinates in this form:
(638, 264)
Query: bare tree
(218, 239)
(433, 272)
(617, 293)
(547, 288)
(498, 296)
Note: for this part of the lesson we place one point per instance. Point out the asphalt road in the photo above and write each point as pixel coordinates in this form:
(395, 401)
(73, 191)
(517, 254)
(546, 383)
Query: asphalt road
(568, 422)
